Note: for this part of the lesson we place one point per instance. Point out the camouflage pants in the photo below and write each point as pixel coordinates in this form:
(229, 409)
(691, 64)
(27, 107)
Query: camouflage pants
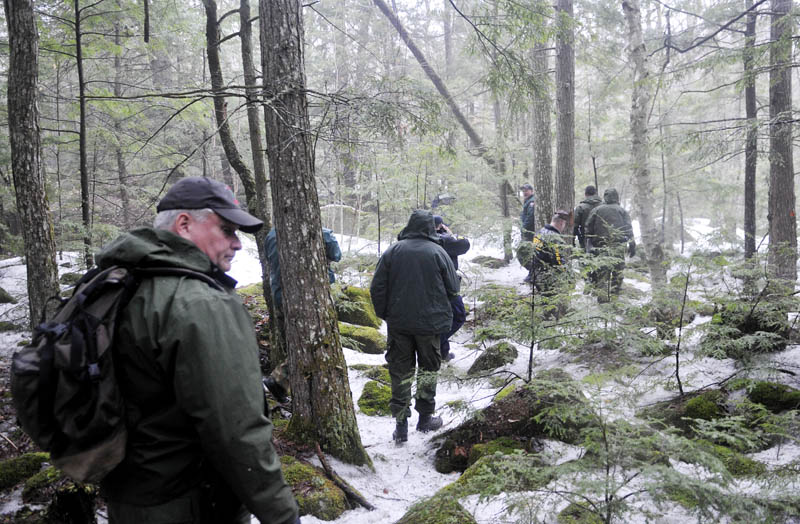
(404, 354)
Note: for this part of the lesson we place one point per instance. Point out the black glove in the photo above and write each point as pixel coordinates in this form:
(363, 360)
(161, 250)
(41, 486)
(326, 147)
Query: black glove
(631, 248)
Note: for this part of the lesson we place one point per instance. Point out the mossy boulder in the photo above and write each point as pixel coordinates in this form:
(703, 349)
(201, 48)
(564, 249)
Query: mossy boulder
(679, 412)
(15, 470)
(9, 326)
(507, 390)
(704, 406)
(367, 339)
(498, 473)
(354, 306)
(578, 514)
(315, 493)
(748, 326)
(375, 399)
(489, 262)
(6, 298)
(379, 373)
(40, 487)
(494, 357)
(551, 406)
(737, 464)
(439, 509)
(502, 445)
(775, 397)
(70, 279)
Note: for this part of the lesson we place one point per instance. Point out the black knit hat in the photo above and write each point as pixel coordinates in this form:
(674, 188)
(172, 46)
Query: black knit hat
(201, 193)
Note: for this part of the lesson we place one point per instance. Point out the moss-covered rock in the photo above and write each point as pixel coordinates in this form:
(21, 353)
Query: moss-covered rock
(494, 357)
(369, 340)
(507, 390)
(9, 326)
(578, 514)
(354, 306)
(70, 279)
(490, 262)
(550, 406)
(375, 399)
(6, 298)
(737, 464)
(502, 445)
(379, 373)
(439, 509)
(775, 397)
(684, 496)
(704, 406)
(40, 487)
(316, 494)
(497, 473)
(676, 412)
(15, 470)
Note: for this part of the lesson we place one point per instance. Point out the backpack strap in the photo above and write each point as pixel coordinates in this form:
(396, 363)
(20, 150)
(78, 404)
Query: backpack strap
(178, 272)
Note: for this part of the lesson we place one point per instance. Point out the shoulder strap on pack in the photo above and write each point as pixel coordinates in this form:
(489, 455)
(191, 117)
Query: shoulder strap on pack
(178, 272)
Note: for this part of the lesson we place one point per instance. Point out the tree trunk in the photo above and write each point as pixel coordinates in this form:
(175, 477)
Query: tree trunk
(261, 200)
(542, 141)
(751, 142)
(782, 224)
(29, 187)
(122, 173)
(640, 149)
(322, 404)
(565, 108)
(86, 208)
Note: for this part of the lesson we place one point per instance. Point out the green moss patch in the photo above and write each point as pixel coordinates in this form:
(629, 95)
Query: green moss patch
(496, 473)
(578, 514)
(775, 397)
(15, 470)
(6, 298)
(490, 262)
(704, 406)
(439, 509)
(354, 306)
(502, 445)
(40, 487)
(315, 493)
(375, 399)
(366, 339)
(494, 357)
(736, 463)
(70, 279)
(379, 373)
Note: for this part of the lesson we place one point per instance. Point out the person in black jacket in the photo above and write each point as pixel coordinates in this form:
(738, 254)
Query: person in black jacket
(411, 291)
(526, 217)
(454, 246)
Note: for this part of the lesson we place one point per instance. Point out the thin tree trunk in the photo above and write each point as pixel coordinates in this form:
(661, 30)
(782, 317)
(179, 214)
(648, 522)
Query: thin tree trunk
(122, 173)
(640, 148)
(86, 208)
(29, 186)
(322, 403)
(542, 139)
(751, 142)
(782, 222)
(565, 108)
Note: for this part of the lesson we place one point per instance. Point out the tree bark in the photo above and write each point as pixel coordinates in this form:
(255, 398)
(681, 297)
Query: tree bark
(565, 108)
(782, 260)
(542, 141)
(86, 208)
(257, 149)
(751, 142)
(122, 173)
(322, 403)
(640, 148)
(29, 186)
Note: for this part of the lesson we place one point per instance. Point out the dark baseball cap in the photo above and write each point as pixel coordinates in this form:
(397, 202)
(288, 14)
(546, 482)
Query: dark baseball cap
(437, 220)
(200, 193)
(526, 186)
(563, 215)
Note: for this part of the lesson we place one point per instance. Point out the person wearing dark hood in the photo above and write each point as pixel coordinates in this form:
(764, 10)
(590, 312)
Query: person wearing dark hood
(590, 201)
(608, 230)
(454, 246)
(526, 217)
(411, 291)
(199, 447)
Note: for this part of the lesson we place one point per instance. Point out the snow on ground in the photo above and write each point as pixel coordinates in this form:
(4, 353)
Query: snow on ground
(405, 474)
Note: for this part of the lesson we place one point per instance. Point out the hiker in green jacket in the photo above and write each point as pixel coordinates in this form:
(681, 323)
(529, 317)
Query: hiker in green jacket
(590, 201)
(410, 290)
(200, 447)
(608, 230)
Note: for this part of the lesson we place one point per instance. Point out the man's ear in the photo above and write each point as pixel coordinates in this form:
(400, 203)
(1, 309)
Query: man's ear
(182, 225)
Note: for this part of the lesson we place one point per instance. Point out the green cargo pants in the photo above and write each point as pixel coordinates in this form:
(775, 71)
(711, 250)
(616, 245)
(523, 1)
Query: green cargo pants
(404, 354)
(197, 506)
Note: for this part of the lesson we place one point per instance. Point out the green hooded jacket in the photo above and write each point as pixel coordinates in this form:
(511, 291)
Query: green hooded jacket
(608, 223)
(582, 212)
(191, 380)
(414, 280)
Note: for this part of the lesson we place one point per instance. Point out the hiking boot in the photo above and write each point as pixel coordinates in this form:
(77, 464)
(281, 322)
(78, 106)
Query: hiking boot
(428, 423)
(277, 391)
(400, 434)
(450, 356)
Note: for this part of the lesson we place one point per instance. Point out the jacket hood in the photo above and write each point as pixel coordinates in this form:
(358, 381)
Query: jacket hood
(592, 199)
(611, 196)
(420, 225)
(147, 247)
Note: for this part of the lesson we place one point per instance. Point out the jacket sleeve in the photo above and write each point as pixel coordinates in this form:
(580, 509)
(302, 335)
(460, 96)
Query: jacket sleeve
(379, 288)
(448, 271)
(628, 228)
(528, 223)
(455, 246)
(217, 383)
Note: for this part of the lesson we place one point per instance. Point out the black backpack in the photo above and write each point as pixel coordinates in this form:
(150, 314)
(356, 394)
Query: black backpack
(64, 382)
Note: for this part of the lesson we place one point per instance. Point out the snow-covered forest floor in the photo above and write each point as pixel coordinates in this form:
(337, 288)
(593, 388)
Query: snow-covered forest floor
(404, 475)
